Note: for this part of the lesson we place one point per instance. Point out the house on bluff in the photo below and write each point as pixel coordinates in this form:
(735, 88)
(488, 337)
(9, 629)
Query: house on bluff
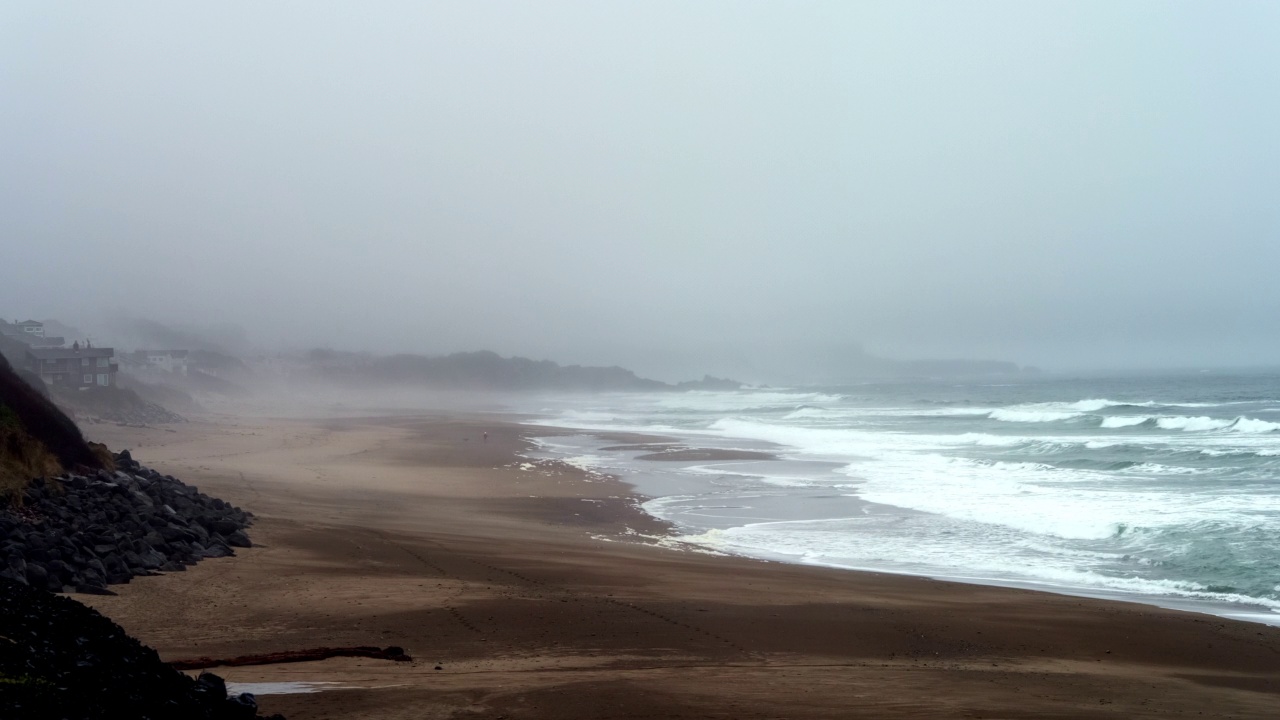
(30, 327)
(29, 332)
(172, 361)
(74, 367)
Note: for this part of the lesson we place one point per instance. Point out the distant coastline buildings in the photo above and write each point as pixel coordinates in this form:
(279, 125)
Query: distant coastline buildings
(29, 332)
(77, 367)
(172, 361)
(74, 367)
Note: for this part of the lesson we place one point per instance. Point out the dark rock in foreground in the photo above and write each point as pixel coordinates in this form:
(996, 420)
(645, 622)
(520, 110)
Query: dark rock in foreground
(85, 532)
(60, 659)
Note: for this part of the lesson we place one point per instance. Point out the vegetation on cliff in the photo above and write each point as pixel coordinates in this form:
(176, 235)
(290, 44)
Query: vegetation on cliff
(36, 438)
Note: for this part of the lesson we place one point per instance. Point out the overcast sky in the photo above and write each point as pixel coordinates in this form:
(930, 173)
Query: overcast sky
(668, 186)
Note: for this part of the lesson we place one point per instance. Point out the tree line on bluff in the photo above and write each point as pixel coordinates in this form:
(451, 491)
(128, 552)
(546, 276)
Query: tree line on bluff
(488, 370)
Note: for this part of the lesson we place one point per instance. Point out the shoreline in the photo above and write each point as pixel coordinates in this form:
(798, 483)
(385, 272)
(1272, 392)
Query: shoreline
(687, 450)
(418, 533)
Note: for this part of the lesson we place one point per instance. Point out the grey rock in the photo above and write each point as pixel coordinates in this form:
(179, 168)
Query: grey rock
(225, 527)
(217, 550)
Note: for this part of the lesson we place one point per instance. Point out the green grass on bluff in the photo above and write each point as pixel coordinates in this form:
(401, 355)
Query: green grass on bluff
(36, 438)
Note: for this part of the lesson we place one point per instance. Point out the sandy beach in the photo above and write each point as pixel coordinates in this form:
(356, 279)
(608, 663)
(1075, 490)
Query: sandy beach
(534, 590)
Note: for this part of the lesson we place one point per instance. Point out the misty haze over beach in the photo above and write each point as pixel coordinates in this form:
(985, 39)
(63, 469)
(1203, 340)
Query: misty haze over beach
(733, 188)
(576, 359)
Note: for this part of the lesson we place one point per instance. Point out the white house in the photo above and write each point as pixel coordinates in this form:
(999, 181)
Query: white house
(174, 361)
(31, 327)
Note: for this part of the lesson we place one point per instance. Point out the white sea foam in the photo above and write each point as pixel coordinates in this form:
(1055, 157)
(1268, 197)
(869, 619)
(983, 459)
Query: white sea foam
(1250, 425)
(586, 463)
(1044, 503)
(953, 551)
(1025, 496)
(801, 438)
(1052, 446)
(1207, 424)
(1057, 411)
(1122, 421)
(897, 471)
(911, 471)
(1192, 424)
(1094, 405)
(1054, 411)
(1151, 468)
(1041, 499)
(1102, 404)
(840, 443)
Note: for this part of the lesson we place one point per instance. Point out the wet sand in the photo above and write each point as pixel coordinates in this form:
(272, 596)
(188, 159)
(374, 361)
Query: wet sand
(516, 579)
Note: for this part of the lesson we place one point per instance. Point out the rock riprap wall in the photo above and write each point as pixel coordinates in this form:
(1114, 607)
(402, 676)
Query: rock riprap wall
(85, 532)
(60, 659)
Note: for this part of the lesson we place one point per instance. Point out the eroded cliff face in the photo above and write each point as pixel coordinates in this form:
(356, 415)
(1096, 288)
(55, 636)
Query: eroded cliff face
(36, 438)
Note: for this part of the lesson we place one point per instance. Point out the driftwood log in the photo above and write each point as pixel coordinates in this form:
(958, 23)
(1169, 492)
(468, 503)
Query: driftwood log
(389, 653)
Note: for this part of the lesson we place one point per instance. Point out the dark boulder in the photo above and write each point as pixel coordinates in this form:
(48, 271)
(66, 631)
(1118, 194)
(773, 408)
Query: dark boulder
(75, 664)
(37, 576)
(88, 531)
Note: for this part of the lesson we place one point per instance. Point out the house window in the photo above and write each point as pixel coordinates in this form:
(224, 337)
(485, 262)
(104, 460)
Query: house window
(104, 379)
(88, 379)
(102, 362)
(84, 362)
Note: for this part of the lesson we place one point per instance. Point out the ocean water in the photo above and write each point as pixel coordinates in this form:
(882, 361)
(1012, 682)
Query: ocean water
(1158, 489)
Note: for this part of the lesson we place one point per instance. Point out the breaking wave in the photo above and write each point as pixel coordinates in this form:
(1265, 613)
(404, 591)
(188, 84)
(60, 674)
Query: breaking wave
(1171, 497)
(1206, 424)
(1014, 415)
